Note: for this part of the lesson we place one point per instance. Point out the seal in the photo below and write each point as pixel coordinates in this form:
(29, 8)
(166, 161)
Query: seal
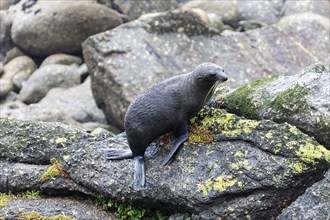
(166, 106)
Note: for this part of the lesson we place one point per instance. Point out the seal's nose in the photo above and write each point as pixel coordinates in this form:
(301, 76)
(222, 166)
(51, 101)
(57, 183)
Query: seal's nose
(224, 77)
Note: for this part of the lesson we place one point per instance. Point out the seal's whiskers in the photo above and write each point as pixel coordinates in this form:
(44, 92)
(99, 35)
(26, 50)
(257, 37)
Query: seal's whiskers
(211, 92)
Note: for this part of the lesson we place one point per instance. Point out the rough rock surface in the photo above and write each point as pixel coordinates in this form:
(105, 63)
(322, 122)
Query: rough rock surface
(74, 106)
(268, 12)
(313, 204)
(321, 7)
(144, 52)
(53, 207)
(64, 25)
(46, 78)
(301, 100)
(65, 59)
(18, 70)
(243, 173)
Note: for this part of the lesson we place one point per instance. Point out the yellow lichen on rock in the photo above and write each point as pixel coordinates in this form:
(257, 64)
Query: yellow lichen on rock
(243, 164)
(232, 126)
(66, 157)
(312, 151)
(220, 183)
(240, 184)
(291, 144)
(60, 140)
(37, 216)
(297, 167)
(5, 198)
(238, 154)
(210, 120)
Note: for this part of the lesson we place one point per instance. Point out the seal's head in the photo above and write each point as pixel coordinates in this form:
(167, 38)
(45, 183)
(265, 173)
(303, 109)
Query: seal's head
(208, 74)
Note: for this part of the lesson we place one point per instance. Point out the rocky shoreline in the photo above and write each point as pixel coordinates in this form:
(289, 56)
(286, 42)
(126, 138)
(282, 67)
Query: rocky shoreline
(69, 69)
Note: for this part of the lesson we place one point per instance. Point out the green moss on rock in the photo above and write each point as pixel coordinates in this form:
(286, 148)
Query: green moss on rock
(242, 99)
(126, 211)
(291, 101)
(54, 171)
(200, 135)
(288, 99)
(7, 197)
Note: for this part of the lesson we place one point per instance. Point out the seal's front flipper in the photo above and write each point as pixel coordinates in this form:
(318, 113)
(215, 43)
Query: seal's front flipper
(139, 171)
(116, 154)
(180, 135)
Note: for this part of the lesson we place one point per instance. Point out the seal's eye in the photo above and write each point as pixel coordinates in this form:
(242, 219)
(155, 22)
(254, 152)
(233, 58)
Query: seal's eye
(212, 75)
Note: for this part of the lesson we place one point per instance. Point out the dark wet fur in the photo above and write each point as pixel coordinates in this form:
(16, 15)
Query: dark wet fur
(166, 106)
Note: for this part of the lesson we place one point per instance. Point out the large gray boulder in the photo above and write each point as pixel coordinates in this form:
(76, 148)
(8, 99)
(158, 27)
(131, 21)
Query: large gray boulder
(313, 204)
(59, 26)
(231, 167)
(301, 100)
(124, 61)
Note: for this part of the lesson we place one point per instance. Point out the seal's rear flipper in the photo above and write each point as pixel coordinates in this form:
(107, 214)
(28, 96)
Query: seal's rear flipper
(139, 172)
(180, 135)
(116, 154)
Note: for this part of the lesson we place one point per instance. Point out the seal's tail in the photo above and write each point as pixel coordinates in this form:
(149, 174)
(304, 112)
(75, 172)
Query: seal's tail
(139, 173)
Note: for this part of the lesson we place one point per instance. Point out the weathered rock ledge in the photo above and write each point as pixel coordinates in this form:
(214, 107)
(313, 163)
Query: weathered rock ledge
(301, 100)
(238, 169)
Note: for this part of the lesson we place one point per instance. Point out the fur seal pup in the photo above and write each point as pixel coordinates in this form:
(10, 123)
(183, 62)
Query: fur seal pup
(166, 106)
